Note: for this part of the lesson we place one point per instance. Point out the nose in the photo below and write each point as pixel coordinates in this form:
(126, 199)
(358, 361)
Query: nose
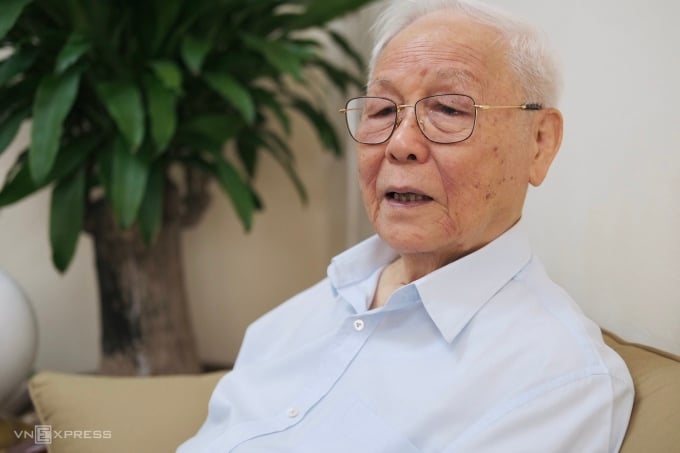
(407, 143)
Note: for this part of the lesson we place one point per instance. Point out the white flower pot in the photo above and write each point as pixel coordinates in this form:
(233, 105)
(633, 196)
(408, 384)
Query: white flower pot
(18, 339)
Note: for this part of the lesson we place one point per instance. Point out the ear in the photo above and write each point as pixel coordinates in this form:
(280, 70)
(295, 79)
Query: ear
(547, 137)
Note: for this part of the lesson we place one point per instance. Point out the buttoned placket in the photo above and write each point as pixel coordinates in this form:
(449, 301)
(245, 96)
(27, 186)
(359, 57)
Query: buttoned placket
(346, 345)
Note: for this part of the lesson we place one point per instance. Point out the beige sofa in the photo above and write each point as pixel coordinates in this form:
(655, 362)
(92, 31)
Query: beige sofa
(156, 414)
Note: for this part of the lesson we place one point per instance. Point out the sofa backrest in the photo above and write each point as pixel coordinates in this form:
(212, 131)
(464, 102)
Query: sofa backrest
(655, 421)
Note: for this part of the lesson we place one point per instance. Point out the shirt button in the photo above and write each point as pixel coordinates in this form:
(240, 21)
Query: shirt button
(293, 412)
(358, 325)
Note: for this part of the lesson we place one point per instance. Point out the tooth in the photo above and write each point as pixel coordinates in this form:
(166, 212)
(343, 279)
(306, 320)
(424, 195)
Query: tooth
(408, 197)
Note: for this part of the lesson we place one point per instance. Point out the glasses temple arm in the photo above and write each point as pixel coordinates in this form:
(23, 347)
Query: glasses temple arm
(530, 106)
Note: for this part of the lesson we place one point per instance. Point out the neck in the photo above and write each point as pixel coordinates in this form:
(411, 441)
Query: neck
(409, 268)
(401, 272)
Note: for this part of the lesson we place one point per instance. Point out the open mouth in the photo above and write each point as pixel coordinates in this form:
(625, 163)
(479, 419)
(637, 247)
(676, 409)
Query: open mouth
(407, 197)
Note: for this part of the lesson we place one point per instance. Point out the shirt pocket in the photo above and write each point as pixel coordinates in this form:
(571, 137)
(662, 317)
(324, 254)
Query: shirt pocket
(350, 426)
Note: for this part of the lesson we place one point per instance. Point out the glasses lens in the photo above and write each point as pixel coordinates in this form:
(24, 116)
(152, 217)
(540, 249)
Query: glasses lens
(371, 120)
(446, 118)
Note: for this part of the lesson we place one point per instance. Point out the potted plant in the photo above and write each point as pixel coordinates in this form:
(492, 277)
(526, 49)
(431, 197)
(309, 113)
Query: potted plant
(132, 103)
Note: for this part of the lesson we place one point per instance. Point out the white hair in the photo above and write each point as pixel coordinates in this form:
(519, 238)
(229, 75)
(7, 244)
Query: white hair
(528, 52)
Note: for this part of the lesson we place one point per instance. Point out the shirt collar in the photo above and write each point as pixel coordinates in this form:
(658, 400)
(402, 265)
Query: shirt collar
(453, 294)
(348, 270)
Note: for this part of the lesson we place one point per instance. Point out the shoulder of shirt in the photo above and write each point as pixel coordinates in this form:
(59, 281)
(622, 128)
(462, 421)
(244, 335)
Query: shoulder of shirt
(268, 328)
(295, 306)
(567, 328)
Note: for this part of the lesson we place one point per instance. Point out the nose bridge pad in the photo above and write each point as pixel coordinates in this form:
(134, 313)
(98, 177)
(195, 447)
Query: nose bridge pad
(400, 115)
(401, 112)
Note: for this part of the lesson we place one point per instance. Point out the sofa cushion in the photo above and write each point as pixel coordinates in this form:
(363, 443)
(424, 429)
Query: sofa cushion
(121, 414)
(655, 421)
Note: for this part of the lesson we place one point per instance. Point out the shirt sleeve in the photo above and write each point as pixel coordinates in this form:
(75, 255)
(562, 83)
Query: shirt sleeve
(588, 414)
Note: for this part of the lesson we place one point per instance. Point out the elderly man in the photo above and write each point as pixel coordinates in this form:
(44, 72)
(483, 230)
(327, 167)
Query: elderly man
(443, 332)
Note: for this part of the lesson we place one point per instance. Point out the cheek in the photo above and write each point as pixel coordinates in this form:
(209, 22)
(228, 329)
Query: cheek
(368, 166)
(502, 166)
(465, 182)
(475, 182)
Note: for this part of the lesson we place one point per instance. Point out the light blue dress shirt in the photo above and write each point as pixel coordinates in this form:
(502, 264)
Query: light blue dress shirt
(486, 354)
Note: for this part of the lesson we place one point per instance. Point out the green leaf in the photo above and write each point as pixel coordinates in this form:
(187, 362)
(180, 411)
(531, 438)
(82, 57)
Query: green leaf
(151, 212)
(17, 63)
(10, 10)
(341, 79)
(76, 46)
(347, 48)
(168, 73)
(18, 184)
(18, 93)
(73, 156)
(234, 93)
(21, 184)
(194, 51)
(10, 126)
(319, 13)
(284, 156)
(67, 210)
(238, 191)
(262, 96)
(247, 150)
(123, 101)
(285, 57)
(76, 13)
(54, 99)
(217, 129)
(162, 107)
(166, 13)
(128, 182)
(321, 124)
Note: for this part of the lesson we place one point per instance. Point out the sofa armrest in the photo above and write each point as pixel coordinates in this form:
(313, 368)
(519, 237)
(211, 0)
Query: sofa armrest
(117, 414)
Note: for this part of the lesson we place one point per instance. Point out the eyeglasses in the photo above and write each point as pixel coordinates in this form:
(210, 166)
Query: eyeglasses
(443, 118)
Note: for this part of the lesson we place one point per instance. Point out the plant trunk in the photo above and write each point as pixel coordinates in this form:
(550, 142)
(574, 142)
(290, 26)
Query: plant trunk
(146, 328)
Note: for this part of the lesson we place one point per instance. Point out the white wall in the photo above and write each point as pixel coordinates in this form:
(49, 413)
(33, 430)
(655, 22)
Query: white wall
(606, 221)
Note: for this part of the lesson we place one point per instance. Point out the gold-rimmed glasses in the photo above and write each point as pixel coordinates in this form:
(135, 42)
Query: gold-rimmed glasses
(442, 118)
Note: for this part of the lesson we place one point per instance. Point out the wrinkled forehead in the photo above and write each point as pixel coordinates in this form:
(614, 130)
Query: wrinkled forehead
(455, 76)
(446, 47)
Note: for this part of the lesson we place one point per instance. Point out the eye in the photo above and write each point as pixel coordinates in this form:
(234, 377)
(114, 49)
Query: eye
(446, 110)
(380, 111)
(449, 106)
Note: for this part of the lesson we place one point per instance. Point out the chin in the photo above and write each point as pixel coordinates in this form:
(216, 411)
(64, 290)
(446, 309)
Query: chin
(409, 240)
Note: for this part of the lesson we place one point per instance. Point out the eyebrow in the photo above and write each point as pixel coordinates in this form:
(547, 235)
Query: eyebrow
(383, 83)
(458, 74)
